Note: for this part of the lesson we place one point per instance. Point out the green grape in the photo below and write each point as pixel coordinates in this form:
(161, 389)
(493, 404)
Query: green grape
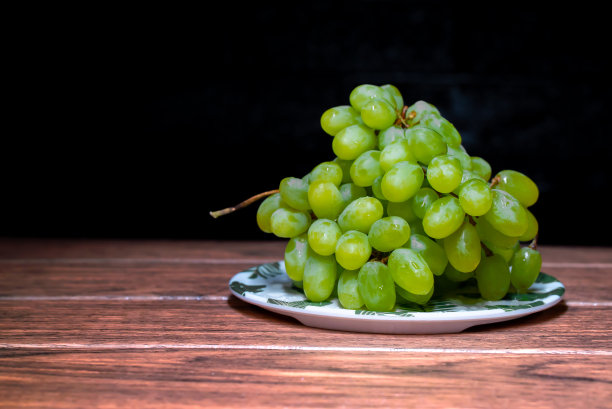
(402, 209)
(337, 118)
(366, 168)
(286, 222)
(408, 296)
(505, 253)
(325, 199)
(296, 254)
(425, 143)
(432, 252)
(466, 177)
(402, 181)
(422, 200)
(353, 250)
(463, 248)
(525, 268)
(447, 130)
(320, 275)
(532, 227)
(323, 235)
(475, 197)
(395, 95)
(390, 135)
(364, 93)
(360, 214)
(389, 233)
(481, 167)
(384, 204)
(352, 141)
(506, 214)
(397, 151)
(443, 285)
(377, 189)
(348, 290)
(443, 217)
(376, 286)
(493, 278)
(490, 236)
(298, 284)
(351, 192)
(378, 114)
(421, 109)
(416, 227)
(518, 185)
(268, 206)
(454, 275)
(462, 156)
(345, 166)
(328, 172)
(410, 271)
(339, 271)
(294, 192)
(444, 173)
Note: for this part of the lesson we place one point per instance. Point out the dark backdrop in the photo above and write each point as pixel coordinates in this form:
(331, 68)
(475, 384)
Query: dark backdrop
(136, 123)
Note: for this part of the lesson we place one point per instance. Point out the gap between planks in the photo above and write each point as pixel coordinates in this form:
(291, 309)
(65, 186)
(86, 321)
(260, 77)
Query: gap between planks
(110, 346)
(587, 304)
(114, 298)
(196, 261)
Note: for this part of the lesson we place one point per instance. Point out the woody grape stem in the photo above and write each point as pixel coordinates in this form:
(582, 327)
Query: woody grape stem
(240, 205)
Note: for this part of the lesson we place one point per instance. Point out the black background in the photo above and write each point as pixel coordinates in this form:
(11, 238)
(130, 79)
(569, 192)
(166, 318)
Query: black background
(136, 123)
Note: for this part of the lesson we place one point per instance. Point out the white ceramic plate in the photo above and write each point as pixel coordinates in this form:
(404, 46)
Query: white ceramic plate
(269, 287)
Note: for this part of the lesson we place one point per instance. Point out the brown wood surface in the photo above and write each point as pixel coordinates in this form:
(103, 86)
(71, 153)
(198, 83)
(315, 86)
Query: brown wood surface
(120, 323)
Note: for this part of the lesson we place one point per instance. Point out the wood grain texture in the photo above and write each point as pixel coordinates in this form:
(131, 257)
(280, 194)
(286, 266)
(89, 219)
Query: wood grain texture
(234, 322)
(152, 278)
(140, 249)
(298, 379)
(117, 279)
(151, 324)
(12, 248)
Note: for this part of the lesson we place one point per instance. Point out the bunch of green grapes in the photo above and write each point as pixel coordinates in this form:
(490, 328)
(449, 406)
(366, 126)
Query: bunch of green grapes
(401, 206)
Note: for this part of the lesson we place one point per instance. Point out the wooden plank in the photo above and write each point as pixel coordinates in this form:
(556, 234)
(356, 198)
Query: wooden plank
(584, 284)
(234, 322)
(11, 248)
(119, 279)
(304, 379)
(576, 254)
(590, 285)
(23, 248)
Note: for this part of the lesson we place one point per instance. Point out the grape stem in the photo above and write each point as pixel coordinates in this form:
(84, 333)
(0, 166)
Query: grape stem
(402, 118)
(487, 250)
(494, 182)
(534, 243)
(381, 256)
(240, 205)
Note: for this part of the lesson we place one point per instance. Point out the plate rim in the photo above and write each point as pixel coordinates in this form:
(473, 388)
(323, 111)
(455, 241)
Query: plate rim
(416, 316)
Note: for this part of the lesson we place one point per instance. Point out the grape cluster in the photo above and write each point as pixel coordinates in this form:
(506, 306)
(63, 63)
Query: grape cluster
(401, 210)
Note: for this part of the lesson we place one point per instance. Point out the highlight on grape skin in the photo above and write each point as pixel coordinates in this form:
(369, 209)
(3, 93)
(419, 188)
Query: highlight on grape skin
(400, 210)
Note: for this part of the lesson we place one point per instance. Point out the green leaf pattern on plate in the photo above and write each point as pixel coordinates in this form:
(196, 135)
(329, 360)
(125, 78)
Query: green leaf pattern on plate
(242, 288)
(397, 313)
(298, 304)
(271, 281)
(265, 271)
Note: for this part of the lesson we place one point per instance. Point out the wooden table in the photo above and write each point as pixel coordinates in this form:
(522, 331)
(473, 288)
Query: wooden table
(138, 324)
